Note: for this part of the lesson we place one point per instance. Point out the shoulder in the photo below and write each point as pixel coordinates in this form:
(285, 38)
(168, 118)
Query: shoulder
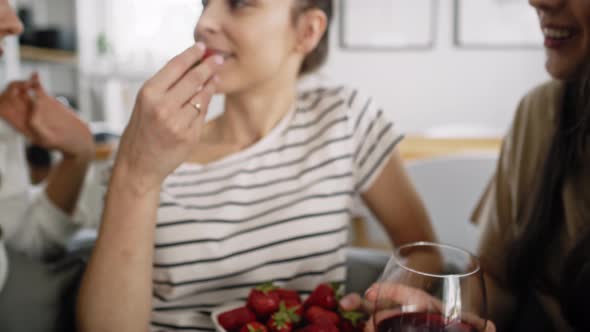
(534, 121)
(526, 144)
(538, 108)
(547, 91)
(316, 99)
(343, 100)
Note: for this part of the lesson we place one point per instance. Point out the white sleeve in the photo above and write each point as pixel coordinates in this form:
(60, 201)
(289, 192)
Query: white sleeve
(43, 229)
(31, 223)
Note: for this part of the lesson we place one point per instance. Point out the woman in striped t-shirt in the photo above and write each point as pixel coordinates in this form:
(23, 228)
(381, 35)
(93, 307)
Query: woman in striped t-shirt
(197, 214)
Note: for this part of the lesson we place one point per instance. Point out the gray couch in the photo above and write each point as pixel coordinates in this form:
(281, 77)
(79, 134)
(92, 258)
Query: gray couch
(364, 267)
(39, 297)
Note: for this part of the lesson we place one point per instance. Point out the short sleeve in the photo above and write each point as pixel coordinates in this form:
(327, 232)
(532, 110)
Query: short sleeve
(374, 138)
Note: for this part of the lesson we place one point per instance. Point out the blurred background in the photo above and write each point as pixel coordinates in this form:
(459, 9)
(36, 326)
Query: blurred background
(450, 71)
(96, 53)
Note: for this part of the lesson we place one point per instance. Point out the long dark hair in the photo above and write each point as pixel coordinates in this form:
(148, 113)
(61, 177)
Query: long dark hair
(545, 214)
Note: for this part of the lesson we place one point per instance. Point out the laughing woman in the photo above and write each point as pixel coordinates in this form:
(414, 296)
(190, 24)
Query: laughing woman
(536, 243)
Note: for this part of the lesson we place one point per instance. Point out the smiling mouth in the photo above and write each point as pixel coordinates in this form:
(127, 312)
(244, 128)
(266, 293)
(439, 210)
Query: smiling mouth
(558, 33)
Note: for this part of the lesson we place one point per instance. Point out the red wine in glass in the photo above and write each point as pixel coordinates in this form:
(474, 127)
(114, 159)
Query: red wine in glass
(422, 322)
(430, 287)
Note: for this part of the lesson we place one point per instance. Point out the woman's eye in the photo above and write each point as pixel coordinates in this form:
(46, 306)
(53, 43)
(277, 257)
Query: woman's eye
(235, 4)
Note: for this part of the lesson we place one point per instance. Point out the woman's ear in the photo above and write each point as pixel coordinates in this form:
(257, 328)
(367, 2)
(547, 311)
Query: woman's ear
(311, 27)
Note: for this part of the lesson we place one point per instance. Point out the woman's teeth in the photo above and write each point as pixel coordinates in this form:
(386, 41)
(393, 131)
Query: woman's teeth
(557, 33)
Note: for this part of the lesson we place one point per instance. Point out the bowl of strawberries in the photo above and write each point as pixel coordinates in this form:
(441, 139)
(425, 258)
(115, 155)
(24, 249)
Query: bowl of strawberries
(273, 309)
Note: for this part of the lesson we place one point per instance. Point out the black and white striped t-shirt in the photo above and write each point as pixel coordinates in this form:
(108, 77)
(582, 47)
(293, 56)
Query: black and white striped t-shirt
(277, 211)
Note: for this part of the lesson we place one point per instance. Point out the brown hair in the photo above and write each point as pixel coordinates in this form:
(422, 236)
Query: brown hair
(546, 213)
(318, 56)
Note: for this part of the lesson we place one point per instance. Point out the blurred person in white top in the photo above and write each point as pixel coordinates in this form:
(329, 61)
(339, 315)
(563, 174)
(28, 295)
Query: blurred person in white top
(37, 222)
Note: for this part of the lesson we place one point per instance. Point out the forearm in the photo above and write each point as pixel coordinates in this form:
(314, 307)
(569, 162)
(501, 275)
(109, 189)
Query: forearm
(397, 205)
(411, 224)
(408, 220)
(66, 181)
(115, 294)
(31, 221)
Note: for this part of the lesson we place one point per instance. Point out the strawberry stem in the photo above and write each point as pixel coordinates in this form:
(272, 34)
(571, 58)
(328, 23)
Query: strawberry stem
(353, 316)
(291, 312)
(266, 287)
(338, 289)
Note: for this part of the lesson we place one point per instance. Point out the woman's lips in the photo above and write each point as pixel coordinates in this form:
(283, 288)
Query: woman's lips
(557, 37)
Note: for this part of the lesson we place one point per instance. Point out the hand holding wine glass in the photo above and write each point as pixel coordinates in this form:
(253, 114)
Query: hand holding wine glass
(446, 293)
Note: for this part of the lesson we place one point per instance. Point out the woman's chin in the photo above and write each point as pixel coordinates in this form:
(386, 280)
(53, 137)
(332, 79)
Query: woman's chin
(562, 70)
(228, 86)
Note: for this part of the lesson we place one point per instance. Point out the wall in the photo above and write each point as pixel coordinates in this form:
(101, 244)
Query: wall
(445, 85)
(424, 89)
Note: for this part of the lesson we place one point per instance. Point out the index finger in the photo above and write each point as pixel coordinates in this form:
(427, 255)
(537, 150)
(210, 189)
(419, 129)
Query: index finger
(354, 302)
(479, 322)
(177, 67)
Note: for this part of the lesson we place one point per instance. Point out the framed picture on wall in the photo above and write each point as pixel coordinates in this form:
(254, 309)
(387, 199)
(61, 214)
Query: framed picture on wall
(496, 24)
(388, 24)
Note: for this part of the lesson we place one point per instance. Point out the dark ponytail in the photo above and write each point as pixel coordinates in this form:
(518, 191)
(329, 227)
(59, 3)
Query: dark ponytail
(545, 214)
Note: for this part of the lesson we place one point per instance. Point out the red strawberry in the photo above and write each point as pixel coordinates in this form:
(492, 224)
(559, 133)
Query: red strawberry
(233, 320)
(352, 321)
(294, 304)
(320, 328)
(286, 294)
(264, 301)
(325, 296)
(319, 315)
(346, 326)
(254, 327)
(283, 320)
(279, 326)
(208, 52)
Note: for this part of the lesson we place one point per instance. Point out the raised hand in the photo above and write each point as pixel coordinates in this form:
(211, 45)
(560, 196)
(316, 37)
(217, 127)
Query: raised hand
(55, 126)
(168, 116)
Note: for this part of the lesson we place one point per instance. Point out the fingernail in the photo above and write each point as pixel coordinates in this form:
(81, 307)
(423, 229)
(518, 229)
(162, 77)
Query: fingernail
(200, 46)
(218, 59)
(346, 302)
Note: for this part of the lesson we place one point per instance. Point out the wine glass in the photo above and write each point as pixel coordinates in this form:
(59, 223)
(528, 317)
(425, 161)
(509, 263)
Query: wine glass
(429, 287)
